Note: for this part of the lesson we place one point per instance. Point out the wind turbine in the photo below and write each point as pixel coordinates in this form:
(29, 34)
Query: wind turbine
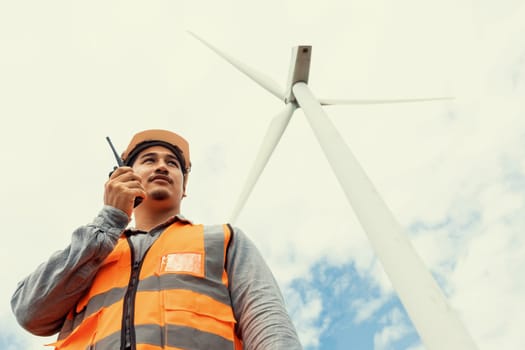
(436, 322)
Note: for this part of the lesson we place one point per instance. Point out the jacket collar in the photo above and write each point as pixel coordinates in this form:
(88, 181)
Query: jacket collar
(178, 217)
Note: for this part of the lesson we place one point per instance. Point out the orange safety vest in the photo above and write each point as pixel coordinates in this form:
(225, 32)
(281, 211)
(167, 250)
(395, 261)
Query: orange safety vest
(179, 295)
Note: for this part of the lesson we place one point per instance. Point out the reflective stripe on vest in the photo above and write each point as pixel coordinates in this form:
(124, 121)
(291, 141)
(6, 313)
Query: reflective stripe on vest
(182, 299)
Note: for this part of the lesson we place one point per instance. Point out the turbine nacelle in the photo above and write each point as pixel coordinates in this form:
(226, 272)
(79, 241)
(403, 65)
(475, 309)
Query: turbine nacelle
(299, 70)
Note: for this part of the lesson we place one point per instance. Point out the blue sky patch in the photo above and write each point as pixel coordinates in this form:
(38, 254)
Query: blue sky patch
(340, 287)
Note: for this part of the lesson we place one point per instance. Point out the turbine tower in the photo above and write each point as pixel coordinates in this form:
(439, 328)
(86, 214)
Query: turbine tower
(436, 322)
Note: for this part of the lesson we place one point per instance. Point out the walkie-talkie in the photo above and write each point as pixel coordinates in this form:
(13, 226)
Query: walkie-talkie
(120, 163)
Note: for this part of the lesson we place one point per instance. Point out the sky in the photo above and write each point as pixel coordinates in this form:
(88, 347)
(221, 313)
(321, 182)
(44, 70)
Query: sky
(452, 172)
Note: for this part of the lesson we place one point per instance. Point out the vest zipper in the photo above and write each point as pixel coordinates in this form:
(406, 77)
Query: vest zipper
(128, 326)
(129, 299)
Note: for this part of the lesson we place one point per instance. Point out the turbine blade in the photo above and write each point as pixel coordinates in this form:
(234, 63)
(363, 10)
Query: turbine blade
(272, 137)
(438, 325)
(260, 78)
(328, 102)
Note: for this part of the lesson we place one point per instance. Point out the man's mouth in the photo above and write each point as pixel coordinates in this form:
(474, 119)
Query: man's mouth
(161, 177)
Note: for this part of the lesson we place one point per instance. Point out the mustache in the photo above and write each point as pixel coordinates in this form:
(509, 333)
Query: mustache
(160, 177)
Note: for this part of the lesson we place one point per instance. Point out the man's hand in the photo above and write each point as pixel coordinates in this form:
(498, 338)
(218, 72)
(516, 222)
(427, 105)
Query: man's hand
(122, 188)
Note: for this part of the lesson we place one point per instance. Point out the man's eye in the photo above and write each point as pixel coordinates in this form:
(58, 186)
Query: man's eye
(148, 160)
(173, 163)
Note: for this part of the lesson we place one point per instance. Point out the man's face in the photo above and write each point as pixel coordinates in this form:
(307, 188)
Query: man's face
(161, 174)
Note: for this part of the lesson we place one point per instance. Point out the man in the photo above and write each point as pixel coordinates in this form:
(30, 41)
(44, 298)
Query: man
(167, 283)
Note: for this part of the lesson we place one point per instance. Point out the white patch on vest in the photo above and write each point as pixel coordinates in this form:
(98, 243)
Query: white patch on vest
(182, 262)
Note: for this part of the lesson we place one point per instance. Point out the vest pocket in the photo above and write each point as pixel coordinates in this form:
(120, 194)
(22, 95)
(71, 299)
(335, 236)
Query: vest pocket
(200, 313)
(81, 337)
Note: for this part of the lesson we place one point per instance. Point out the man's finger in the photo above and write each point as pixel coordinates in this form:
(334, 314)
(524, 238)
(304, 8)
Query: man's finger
(121, 170)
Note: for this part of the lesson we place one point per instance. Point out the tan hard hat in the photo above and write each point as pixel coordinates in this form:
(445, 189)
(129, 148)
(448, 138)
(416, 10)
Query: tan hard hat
(147, 138)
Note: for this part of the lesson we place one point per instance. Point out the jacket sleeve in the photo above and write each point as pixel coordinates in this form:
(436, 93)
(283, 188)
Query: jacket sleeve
(262, 319)
(43, 299)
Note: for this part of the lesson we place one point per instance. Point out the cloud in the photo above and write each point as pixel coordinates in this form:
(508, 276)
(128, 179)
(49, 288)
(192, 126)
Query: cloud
(366, 308)
(306, 311)
(485, 280)
(394, 329)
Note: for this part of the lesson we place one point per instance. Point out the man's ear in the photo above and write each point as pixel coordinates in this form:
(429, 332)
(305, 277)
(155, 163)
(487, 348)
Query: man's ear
(184, 187)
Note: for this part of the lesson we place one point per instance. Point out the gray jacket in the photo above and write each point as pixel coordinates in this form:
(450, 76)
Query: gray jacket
(43, 299)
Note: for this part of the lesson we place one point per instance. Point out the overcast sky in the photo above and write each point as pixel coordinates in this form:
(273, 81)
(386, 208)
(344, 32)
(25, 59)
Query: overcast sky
(453, 173)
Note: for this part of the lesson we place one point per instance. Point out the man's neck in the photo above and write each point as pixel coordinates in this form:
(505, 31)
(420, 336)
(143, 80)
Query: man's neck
(147, 219)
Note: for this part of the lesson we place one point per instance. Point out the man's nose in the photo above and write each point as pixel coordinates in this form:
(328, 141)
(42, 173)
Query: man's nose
(161, 168)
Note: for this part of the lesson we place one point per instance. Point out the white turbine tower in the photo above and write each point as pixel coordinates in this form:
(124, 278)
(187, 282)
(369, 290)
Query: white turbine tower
(436, 322)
